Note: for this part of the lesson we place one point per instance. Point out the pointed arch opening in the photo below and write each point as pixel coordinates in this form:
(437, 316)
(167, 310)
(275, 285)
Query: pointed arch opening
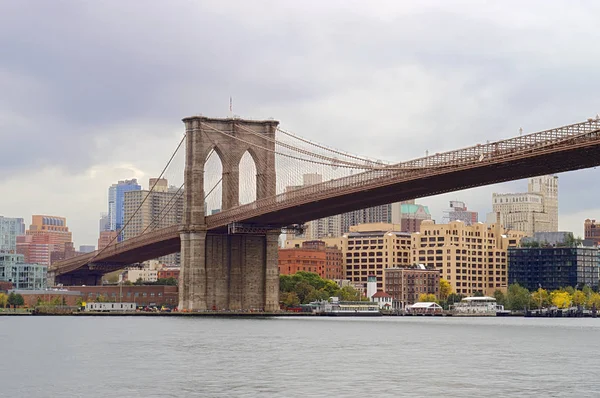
(247, 183)
(213, 186)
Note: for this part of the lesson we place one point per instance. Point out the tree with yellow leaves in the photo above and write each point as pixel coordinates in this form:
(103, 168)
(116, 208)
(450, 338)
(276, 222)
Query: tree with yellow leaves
(427, 297)
(540, 297)
(3, 300)
(445, 289)
(579, 298)
(561, 299)
(594, 300)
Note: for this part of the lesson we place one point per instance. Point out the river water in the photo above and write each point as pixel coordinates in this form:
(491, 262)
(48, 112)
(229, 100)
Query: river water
(298, 357)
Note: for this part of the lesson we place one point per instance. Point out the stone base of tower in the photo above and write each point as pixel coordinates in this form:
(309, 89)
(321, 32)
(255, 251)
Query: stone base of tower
(221, 272)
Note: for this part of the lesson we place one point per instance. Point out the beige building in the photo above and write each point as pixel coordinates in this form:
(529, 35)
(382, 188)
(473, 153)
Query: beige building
(160, 208)
(146, 275)
(472, 258)
(530, 212)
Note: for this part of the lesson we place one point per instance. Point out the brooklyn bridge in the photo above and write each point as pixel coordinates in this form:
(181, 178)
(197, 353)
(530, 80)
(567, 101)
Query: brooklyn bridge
(229, 259)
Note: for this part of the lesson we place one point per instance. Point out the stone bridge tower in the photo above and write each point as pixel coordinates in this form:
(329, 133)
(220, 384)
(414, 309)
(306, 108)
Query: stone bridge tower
(222, 271)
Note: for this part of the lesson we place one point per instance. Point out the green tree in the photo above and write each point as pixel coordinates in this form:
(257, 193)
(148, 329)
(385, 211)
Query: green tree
(454, 298)
(348, 293)
(478, 293)
(101, 299)
(517, 297)
(12, 300)
(427, 297)
(290, 299)
(500, 297)
(79, 301)
(127, 283)
(317, 295)
(579, 298)
(445, 289)
(303, 290)
(568, 289)
(19, 299)
(138, 282)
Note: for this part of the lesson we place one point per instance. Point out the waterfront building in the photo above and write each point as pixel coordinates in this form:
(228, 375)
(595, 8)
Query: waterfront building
(459, 212)
(371, 248)
(22, 275)
(116, 202)
(10, 228)
(159, 208)
(472, 258)
(530, 212)
(312, 256)
(155, 295)
(591, 231)
(406, 284)
(382, 299)
(144, 274)
(46, 235)
(553, 267)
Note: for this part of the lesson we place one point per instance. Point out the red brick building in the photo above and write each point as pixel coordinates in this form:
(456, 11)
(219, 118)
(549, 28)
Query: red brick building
(408, 283)
(168, 272)
(591, 231)
(313, 256)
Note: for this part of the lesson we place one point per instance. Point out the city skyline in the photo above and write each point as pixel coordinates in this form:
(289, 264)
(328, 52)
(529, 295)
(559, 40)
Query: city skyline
(391, 90)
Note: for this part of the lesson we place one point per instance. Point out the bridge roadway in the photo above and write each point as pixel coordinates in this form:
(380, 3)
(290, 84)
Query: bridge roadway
(563, 149)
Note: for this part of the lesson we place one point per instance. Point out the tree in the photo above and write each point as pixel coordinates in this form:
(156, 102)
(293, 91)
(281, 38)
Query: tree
(579, 298)
(348, 293)
(317, 295)
(79, 301)
(478, 293)
(427, 297)
(517, 297)
(500, 298)
(127, 283)
(445, 289)
(290, 299)
(561, 299)
(3, 300)
(139, 282)
(101, 299)
(12, 300)
(594, 300)
(540, 298)
(19, 300)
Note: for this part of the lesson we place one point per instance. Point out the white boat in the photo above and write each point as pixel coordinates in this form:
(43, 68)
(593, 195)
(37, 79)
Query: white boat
(334, 307)
(479, 306)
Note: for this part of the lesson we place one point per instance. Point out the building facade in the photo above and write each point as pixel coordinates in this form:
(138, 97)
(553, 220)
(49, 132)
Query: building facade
(105, 239)
(86, 248)
(154, 295)
(22, 275)
(10, 228)
(409, 215)
(371, 248)
(459, 212)
(159, 208)
(406, 284)
(116, 202)
(312, 256)
(531, 212)
(471, 258)
(553, 267)
(591, 231)
(371, 215)
(46, 235)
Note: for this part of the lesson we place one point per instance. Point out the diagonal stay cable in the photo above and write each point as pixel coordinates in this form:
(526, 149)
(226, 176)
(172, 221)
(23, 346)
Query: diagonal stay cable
(143, 201)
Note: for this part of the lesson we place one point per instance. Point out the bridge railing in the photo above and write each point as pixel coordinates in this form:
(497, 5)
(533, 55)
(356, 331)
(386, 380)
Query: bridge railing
(456, 158)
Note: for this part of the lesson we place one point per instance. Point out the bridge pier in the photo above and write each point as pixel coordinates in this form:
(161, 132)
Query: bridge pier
(222, 270)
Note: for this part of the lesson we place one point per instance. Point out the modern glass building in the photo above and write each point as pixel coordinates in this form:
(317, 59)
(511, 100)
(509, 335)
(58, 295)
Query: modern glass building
(553, 267)
(22, 275)
(116, 200)
(10, 228)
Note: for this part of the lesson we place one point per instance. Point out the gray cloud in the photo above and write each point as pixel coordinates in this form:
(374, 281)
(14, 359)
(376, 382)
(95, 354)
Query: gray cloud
(105, 84)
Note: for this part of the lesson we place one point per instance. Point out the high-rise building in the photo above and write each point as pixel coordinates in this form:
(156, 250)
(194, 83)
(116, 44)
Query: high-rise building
(104, 222)
(86, 248)
(409, 215)
(531, 212)
(10, 228)
(106, 238)
(371, 215)
(116, 198)
(46, 234)
(406, 284)
(162, 208)
(472, 258)
(458, 212)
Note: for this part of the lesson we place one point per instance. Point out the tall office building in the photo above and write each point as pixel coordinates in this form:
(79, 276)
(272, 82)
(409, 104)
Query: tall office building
(10, 228)
(46, 235)
(104, 222)
(530, 212)
(116, 198)
(162, 208)
(371, 215)
(409, 215)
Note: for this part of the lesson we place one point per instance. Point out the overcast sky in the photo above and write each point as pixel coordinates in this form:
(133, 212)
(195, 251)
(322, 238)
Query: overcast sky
(94, 91)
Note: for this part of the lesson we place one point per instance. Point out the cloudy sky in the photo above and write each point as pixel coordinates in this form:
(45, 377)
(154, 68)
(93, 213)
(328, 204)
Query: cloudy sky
(94, 92)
